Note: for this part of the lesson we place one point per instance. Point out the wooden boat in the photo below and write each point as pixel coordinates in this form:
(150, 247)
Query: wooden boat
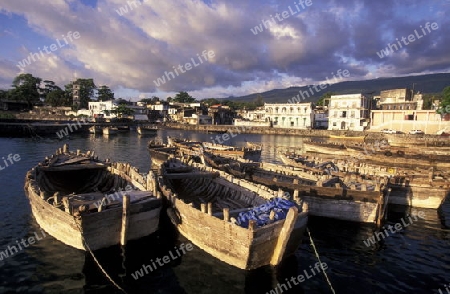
(161, 153)
(419, 192)
(348, 198)
(207, 206)
(326, 148)
(110, 131)
(251, 153)
(90, 204)
(253, 145)
(416, 185)
(383, 154)
(417, 140)
(345, 137)
(147, 130)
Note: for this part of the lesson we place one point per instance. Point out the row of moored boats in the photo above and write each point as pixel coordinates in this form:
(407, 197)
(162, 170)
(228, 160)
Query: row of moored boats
(242, 211)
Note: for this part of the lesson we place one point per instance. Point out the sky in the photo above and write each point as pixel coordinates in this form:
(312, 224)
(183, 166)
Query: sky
(220, 48)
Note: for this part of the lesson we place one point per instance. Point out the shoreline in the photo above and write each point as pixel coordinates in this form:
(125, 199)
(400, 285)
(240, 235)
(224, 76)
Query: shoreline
(17, 127)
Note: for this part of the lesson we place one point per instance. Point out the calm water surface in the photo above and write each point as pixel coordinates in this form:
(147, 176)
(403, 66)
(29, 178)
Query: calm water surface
(415, 260)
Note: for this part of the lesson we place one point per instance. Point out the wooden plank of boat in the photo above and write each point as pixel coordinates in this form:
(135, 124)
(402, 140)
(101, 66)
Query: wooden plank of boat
(77, 159)
(74, 167)
(191, 175)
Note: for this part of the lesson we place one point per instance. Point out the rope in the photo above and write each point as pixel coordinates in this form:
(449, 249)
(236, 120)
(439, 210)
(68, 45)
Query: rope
(320, 262)
(95, 259)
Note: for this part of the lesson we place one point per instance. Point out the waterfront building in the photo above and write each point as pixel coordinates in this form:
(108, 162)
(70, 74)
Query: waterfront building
(405, 120)
(290, 115)
(321, 118)
(221, 114)
(349, 112)
(399, 99)
(102, 108)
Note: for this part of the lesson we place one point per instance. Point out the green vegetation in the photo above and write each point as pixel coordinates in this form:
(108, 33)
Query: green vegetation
(322, 100)
(184, 97)
(445, 103)
(258, 101)
(104, 93)
(30, 89)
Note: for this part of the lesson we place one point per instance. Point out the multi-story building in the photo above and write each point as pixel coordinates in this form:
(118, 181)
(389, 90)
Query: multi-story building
(102, 108)
(349, 112)
(290, 115)
(221, 114)
(321, 118)
(405, 120)
(400, 99)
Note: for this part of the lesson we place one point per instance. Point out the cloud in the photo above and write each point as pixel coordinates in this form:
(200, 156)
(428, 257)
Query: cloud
(133, 49)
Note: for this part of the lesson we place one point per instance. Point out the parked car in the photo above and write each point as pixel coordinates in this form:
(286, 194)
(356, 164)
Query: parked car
(416, 132)
(388, 131)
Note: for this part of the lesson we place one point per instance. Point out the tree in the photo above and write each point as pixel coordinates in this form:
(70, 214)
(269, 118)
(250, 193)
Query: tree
(146, 100)
(321, 101)
(183, 97)
(259, 101)
(104, 93)
(445, 103)
(26, 88)
(210, 101)
(122, 110)
(57, 98)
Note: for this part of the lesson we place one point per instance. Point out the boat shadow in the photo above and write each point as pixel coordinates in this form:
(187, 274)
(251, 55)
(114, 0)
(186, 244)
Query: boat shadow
(135, 267)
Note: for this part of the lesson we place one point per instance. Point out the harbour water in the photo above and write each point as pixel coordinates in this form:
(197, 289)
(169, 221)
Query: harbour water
(413, 260)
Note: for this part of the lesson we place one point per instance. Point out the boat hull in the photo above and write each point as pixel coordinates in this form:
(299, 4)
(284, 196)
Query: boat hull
(100, 230)
(88, 219)
(244, 248)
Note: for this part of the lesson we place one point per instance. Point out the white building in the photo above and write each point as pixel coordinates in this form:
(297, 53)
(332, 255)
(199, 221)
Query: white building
(290, 115)
(102, 108)
(349, 112)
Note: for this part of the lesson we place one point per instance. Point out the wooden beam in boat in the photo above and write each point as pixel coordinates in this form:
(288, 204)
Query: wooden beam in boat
(125, 220)
(192, 175)
(284, 236)
(74, 167)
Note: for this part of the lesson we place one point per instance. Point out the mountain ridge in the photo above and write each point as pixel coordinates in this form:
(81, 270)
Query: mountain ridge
(427, 83)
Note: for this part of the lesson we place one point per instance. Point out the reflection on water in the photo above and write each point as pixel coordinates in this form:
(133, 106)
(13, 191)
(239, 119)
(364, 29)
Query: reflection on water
(414, 260)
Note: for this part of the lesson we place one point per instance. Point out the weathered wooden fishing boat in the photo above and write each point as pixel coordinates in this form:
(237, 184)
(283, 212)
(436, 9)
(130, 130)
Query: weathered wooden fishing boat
(253, 145)
(419, 192)
(215, 211)
(161, 153)
(244, 168)
(417, 140)
(348, 198)
(412, 185)
(345, 137)
(310, 166)
(147, 130)
(384, 154)
(252, 153)
(325, 148)
(90, 204)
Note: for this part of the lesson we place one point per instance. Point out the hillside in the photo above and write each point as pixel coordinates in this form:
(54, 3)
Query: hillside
(430, 83)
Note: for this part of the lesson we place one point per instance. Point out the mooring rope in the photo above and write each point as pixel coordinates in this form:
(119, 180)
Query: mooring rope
(320, 262)
(95, 259)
